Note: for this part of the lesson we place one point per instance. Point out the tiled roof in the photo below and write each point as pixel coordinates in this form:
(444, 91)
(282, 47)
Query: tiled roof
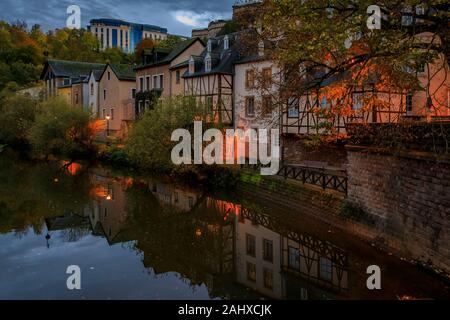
(123, 71)
(72, 69)
(222, 60)
(174, 53)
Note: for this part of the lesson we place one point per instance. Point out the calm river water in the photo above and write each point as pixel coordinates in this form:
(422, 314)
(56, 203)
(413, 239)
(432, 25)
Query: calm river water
(149, 238)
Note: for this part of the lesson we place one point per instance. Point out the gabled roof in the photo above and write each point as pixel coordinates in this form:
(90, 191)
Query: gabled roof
(174, 53)
(123, 72)
(70, 69)
(222, 60)
(97, 74)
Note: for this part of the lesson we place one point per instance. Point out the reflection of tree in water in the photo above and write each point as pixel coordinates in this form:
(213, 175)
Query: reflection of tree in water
(30, 192)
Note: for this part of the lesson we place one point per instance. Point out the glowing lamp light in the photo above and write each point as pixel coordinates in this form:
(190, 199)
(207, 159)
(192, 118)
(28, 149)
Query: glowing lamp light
(108, 197)
(198, 232)
(108, 118)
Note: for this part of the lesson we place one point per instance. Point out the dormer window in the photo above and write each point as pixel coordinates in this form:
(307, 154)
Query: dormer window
(191, 65)
(208, 63)
(226, 43)
(209, 46)
(261, 48)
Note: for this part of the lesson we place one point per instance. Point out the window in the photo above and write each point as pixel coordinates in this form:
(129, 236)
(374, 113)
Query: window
(293, 107)
(92, 89)
(323, 103)
(250, 243)
(268, 278)
(191, 202)
(208, 63)
(191, 65)
(251, 272)
(266, 104)
(409, 101)
(104, 113)
(267, 77)
(104, 94)
(226, 43)
(141, 84)
(147, 104)
(141, 106)
(161, 81)
(76, 98)
(421, 68)
(112, 113)
(147, 83)
(133, 93)
(109, 75)
(249, 79)
(294, 259)
(325, 269)
(209, 46)
(268, 250)
(177, 76)
(357, 101)
(250, 106)
(155, 82)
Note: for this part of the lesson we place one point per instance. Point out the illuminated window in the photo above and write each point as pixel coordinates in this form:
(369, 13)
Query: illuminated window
(249, 79)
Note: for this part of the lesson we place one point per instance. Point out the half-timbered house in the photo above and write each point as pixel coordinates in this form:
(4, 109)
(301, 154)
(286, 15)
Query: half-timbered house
(209, 77)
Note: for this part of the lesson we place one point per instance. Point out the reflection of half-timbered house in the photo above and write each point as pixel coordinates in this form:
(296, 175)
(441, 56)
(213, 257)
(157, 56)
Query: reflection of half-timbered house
(210, 77)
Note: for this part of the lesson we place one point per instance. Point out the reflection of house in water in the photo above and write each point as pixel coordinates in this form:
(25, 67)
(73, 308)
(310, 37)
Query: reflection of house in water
(107, 212)
(168, 194)
(285, 264)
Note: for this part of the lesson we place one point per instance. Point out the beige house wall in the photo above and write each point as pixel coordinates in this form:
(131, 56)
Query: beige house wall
(118, 98)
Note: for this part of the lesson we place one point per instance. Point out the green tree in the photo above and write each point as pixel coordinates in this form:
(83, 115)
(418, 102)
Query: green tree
(17, 115)
(149, 144)
(61, 130)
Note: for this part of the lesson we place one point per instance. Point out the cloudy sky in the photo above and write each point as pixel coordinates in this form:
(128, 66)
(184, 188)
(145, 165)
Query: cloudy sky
(178, 16)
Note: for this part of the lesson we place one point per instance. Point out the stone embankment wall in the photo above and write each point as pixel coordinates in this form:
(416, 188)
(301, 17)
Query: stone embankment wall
(410, 195)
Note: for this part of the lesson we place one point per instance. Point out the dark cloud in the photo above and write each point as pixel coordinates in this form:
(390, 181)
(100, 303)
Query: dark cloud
(178, 16)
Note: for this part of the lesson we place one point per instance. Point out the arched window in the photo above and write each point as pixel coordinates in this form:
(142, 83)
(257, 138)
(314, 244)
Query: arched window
(209, 46)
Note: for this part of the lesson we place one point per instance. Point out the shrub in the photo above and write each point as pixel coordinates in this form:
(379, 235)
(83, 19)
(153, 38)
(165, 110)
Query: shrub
(17, 115)
(353, 211)
(60, 129)
(149, 144)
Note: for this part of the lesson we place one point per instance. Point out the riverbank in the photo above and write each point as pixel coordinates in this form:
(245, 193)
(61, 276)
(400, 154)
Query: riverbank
(337, 212)
(157, 234)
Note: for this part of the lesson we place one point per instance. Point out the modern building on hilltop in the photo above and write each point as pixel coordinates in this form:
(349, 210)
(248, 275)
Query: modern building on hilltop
(114, 33)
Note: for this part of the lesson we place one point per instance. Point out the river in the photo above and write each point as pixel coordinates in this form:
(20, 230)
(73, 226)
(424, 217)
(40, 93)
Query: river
(145, 237)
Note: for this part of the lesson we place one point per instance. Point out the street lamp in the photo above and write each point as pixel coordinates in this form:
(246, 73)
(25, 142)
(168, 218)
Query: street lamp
(107, 125)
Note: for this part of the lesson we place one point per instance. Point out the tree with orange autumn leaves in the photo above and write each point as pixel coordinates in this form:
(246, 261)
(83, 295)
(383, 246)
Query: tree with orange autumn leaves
(324, 48)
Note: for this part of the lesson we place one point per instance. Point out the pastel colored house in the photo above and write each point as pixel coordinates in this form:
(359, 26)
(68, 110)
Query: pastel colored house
(161, 72)
(117, 85)
(61, 74)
